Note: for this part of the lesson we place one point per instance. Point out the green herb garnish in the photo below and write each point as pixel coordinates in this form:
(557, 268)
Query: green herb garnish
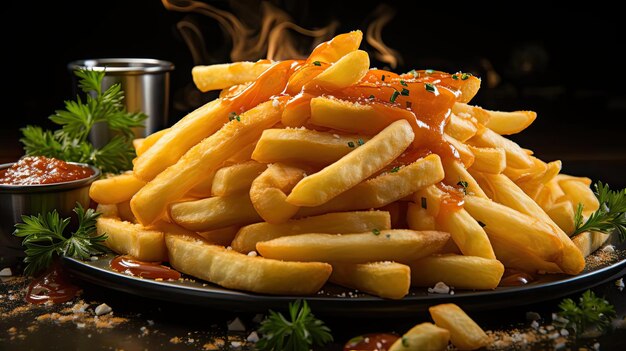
(590, 311)
(45, 236)
(70, 142)
(372, 97)
(430, 88)
(429, 71)
(463, 184)
(403, 83)
(465, 76)
(424, 203)
(395, 169)
(300, 333)
(610, 216)
(376, 231)
(394, 96)
(350, 144)
(414, 73)
(360, 142)
(234, 116)
(455, 76)
(405, 92)
(317, 63)
(382, 78)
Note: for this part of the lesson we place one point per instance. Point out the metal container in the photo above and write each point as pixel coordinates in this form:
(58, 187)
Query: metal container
(18, 200)
(146, 86)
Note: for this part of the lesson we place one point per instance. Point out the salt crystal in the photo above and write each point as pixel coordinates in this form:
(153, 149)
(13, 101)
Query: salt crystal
(150, 322)
(93, 258)
(596, 346)
(253, 337)
(609, 248)
(236, 325)
(103, 309)
(80, 325)
(275, 102)
(336, 136)
(439, 288)
(235, 344)
(252, 253)
(6, 272)
(564, 332)
(534, 324)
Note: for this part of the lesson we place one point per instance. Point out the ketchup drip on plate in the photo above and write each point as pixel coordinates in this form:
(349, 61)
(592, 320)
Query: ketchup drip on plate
(52, 285)
(513, 277)
(150, 270)
(371, 342)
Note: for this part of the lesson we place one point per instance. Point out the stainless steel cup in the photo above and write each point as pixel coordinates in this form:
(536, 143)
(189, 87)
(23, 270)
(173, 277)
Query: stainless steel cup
(146, 86)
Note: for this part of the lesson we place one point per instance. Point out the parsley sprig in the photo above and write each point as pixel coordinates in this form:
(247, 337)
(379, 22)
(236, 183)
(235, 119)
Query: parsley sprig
(610, 216)
(45, 236)
(299, 333)
(70, 142)
(591, 311)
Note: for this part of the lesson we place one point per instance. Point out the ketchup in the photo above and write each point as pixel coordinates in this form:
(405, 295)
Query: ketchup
(52, 285)
(513, 277)
(33, 170)
(151, 270)
(371, 342)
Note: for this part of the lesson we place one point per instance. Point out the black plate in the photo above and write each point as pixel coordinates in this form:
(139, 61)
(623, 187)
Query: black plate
(334, 300)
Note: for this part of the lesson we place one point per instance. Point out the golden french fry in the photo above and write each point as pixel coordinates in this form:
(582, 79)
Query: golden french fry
(418, 218)
(384, 189)
(424, 336)
(469, 89)
(463, 109)
(304, 146)
(202, 123)
(382, 245)
(137, 142)
(503, 190)
(460, 128)
(109, 211)
(515, 155)
(173, 183)
(220, 76)
(203, 189)
(465, 154)
(234, 90)
(236, 178)
(389, 280)
(517, 229)
(579, 193)
(125, 213)
(126, 238)
(214, 212)
(466, 232)
(562, 213)
(506, 123)
(233, 270)
(115, 189)
(488, 159)
(521, 258)
(347, 71)
(465, 334)
(341, 45)
(330, 223)
(268, 192)
(459, 271)
(456, 172)
(222, 236)
(589, 242)
(148, 141)
(353, 168)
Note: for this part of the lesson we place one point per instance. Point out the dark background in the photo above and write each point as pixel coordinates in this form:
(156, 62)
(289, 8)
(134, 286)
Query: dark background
(561, 62)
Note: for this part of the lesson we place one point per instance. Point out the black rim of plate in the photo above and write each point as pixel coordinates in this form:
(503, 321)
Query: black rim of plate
(189, 291)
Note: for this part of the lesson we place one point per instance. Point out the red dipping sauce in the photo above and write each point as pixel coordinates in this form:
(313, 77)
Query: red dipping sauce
(36, 170)
(52, 285)
(151, 270)
(371, 342)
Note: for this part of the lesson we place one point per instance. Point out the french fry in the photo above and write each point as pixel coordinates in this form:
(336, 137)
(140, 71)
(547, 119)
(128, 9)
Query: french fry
(388, 280)
(515, 156)
(464, 230)
(456, 172)
(268, 192)
(341, 45)
(384, 189)
(348, 70)
(234, 270)
(463, 109)
(126, 238)
(388, 245)
(214, 212)
(506, 123)
(502, 190)
(222, 236)
(125, 213)
(460, 128)
(589, 242)
(173, 183)
(331, 223)
(419, 219)
(204, 187)
(465, 334)
(461, 272)
(562, 214)
(115, 189)
(303, 146)
(148, 141)
(469, 88)
(506, 223)
(192, 129)
(521, 258)
(108, 211)
(578, 192)
(353, 168)
(424, 336)
(220, 76)
(488, 160)
(137, 142)
(236, 178)
(465, 154)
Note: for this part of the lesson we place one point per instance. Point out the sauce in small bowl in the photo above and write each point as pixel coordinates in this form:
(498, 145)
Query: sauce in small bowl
(36, 185)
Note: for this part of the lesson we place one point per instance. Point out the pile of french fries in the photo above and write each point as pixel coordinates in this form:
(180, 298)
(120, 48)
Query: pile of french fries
(316, 170)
